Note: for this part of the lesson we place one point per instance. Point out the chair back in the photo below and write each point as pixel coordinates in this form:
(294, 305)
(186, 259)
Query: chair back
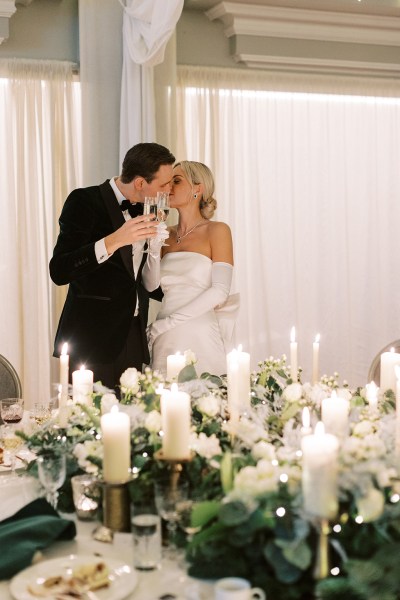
(374, 373)
(10, 384)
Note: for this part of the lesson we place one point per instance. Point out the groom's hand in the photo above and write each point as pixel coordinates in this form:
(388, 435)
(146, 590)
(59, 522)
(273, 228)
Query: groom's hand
(134, 230)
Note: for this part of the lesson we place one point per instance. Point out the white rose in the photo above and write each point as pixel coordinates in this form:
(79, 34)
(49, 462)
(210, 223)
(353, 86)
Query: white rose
(209, 405)
(293, 392)
(207, 446)
(107, 402)
(385, 477)
(263, 450)
(190, 357)
(370, 507)
(130, 381)
(257, 480)
(153, 421)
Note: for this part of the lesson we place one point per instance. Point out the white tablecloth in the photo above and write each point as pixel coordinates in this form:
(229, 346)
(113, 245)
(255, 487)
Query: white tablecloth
(169, 578)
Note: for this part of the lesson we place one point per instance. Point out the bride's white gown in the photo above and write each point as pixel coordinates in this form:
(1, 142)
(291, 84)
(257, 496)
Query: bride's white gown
(184, 276)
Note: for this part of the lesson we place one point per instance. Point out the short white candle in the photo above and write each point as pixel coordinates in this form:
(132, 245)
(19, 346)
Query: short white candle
(175, 418)
(335, 415)
(315, 372)
(115, 430)
(372, 395)
(293, 355)
(388, 378)
(64, 371)
(319, 475)
(82, 386)
(306, 422)
(175, 364)
(238, 380)
(397, 373)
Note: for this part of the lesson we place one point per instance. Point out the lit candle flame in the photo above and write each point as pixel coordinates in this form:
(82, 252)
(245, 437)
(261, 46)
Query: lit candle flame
(317, 338)
(293, 334)
(306, 417)
(64, 349)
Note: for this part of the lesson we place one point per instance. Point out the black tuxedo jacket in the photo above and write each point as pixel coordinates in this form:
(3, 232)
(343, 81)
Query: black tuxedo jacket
(102, 297)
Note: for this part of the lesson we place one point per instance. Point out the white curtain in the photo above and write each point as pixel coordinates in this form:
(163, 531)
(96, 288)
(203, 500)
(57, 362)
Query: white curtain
(39, 124)
(147, 27)
(310, 186)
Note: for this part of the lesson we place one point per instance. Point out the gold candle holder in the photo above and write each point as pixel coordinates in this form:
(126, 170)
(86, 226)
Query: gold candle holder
(321, 570)
(116, 511)
(175, 465)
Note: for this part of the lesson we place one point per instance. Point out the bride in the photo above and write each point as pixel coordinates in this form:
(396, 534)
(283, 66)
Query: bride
(195, 274)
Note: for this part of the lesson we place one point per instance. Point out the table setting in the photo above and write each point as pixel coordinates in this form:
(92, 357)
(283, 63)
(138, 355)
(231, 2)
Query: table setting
(282, 487)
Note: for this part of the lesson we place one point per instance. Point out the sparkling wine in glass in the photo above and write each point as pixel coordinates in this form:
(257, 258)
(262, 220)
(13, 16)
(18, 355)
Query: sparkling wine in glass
(163, 207)
(11, 444)
(52, 473)
(149, 208)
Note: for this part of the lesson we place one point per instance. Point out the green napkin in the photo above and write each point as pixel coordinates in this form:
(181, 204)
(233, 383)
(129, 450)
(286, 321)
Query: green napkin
(32, 528)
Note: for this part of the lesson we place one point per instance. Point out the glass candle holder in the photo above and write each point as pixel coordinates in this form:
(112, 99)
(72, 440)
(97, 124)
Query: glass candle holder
(86, 494)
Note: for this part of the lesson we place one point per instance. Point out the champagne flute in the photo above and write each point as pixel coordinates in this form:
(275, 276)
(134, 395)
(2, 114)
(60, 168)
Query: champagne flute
(52, 471)
(149, 208)
(163, 207)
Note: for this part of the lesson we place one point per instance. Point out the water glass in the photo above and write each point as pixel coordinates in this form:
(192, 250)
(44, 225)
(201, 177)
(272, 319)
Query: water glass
(146, 532)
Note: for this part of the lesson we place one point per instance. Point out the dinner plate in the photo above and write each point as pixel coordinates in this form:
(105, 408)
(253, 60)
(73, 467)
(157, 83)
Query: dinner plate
(123, 578)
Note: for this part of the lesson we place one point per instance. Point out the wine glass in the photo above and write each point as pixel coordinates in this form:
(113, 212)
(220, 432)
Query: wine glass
(41, 413)
(163, 207)
(52, 471)
(184, 509)
(168, 494)
(11, 410)
(11, 443)
(149, 208)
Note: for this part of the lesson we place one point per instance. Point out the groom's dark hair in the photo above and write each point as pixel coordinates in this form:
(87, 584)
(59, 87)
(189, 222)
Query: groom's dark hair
(144, 160)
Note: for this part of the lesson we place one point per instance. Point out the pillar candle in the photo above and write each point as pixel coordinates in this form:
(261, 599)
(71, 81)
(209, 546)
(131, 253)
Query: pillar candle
(335, 415)
(372, 395)
(238, 380)
(388, 377)
(64, 371)
(397, 373)
(175, 364)
(293, 355)
(115, 430)
(315, 372)
(175, 415)
(319, 475)
(82, 386)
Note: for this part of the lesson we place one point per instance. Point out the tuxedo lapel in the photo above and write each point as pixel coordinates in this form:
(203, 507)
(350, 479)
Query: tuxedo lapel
(117, 219)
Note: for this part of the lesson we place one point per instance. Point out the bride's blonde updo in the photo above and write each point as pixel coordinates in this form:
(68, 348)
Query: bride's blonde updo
(196, 173)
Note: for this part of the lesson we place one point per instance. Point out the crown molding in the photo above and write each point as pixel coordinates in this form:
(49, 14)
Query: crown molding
(295, 64)
(7, 8)
(321, 25)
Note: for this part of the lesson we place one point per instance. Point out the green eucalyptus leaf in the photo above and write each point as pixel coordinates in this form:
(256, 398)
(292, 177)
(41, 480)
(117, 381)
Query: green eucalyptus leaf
(285, 571)
(298, 553)
(290, 410)
(204, 512)
(187, 374)
(233, 513)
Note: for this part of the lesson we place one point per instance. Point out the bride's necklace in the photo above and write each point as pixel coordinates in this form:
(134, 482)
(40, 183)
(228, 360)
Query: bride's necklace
(179, 238)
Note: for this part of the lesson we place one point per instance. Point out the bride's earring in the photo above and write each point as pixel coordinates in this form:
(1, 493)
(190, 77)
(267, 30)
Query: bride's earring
(195, 196)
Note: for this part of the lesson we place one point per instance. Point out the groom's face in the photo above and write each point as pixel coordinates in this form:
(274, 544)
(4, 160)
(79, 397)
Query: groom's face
(160, 183)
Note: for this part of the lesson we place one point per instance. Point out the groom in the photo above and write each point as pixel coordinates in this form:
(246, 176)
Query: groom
(99, 253)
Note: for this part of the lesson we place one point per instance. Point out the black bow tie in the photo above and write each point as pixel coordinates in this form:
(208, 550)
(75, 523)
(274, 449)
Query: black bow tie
(134, 209)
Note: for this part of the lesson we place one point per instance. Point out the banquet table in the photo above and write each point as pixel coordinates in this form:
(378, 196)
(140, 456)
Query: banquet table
(169, 578)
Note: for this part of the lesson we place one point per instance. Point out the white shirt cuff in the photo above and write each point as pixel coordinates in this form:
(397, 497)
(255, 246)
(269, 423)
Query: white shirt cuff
(101, 252)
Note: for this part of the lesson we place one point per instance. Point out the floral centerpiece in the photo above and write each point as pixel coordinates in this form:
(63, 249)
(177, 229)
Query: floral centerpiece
(247, 475)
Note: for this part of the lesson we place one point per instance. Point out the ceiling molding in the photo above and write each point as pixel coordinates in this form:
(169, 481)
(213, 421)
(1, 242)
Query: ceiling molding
(7, 9)
(298, 23)
(319, 65)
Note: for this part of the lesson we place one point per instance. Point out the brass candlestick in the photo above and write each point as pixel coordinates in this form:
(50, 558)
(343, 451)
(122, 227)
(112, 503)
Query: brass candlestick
(175, 466)
(116, 511)
(321, 570)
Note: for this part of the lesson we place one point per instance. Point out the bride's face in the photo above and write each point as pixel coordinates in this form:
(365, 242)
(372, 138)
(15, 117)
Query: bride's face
(181, 190)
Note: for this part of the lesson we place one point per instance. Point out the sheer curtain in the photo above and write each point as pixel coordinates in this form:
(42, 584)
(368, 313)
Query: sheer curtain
(39, 154)
(309, 183)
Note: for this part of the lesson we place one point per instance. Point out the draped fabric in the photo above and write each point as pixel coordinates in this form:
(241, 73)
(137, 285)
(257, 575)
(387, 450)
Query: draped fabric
(39, 157)
(309, 183)
(147, 27)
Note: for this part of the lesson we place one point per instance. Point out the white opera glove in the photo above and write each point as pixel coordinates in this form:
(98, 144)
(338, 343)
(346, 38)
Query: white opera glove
(216, 294)
(157, 242)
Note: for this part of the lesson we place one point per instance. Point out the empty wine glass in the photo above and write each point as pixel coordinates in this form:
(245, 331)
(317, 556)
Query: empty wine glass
(52, 473)
(11, 410)
(184, 509)
(163, 208)
(149, 208)
(168, 494)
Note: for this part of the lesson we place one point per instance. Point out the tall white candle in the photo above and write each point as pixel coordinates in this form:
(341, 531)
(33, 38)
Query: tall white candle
(64, 371)
(175, 418)
(293, 355)
(238, 380)
(82, 386)
(335, 415)
(115, 430)
(372, 395)
(397, 372)
(175, 364)
(388, 378)
(315, 371)
(319, 475)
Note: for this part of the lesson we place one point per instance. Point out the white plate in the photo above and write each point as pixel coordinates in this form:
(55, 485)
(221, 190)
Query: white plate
(123, 579)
